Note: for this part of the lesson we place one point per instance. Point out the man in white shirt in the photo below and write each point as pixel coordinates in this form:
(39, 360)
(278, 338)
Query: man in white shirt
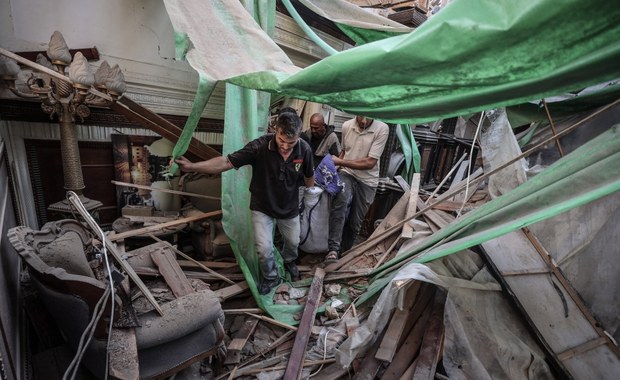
(363, 141)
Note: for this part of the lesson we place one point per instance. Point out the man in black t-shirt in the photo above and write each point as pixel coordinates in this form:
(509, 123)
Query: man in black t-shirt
(281, 163)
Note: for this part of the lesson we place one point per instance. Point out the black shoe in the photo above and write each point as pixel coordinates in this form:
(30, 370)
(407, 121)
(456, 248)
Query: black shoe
(292, 270)
(266, 286)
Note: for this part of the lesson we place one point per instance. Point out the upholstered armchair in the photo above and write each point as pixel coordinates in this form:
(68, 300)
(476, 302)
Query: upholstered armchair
(65, 269)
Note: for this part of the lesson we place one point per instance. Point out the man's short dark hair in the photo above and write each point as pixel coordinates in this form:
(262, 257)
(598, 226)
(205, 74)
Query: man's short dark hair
(289, 123)
(287, 109)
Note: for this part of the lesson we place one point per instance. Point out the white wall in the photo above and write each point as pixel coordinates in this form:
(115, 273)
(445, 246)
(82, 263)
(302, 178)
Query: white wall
(138, 36)
(135, 34)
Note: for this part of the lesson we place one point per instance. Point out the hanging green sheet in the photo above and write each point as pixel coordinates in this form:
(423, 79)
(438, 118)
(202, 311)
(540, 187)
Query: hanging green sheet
(586, 174)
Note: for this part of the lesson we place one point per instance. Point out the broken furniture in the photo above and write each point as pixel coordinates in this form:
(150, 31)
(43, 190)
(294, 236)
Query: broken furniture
(208, 236)
(66, 270)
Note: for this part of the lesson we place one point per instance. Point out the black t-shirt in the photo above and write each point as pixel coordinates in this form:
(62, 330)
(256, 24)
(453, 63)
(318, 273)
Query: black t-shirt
(275, 183)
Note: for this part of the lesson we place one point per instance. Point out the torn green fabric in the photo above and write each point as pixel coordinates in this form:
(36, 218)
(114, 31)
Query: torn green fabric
(363, 36)
(309, 32)
(205, 89)
(472, 56)
(588, 173)
(246, 112)
(225, 40)
(410, 150)
(571, 104)
(360, 25)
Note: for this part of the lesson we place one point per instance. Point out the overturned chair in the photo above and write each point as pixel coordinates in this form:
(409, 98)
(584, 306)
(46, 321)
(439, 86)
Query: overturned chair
(67, 272)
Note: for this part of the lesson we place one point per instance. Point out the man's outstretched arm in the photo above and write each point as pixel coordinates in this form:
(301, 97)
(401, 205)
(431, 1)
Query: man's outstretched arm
(215, 165)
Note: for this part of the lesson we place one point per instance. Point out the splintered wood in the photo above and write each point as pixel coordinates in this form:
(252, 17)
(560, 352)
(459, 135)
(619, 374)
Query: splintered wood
(411, 344)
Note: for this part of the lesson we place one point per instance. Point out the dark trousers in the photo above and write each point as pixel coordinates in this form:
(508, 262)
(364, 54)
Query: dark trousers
(342, 230)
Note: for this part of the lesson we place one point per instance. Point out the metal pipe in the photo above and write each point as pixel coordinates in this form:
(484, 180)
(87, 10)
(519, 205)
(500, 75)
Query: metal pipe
(309, 32)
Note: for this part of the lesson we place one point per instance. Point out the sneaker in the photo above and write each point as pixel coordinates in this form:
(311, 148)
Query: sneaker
(266, 286)
(291, 268)
(331, 257)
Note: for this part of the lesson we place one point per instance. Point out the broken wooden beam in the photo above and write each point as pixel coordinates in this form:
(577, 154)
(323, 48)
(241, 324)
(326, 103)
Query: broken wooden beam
(171, 272)
(273, 321)
(230, 291)
(200, 265)
(408, 349)
(407, 231)
(295, 363)
(168, 191)
(149, 119)
(432, 343)
(240, 367)
(233, 352)
(151, 229)
(396, 328)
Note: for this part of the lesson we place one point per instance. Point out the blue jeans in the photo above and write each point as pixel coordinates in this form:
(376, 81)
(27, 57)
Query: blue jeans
(342, 230)
(263, 241)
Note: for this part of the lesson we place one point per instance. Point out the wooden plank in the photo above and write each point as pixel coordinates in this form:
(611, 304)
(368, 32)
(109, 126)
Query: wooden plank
(407, 231)
(230, 278)
(432, 343)
(273, 321)
(587, 346)
(395, 215)
(370, 365)
(260, 354)
(171, 272)
(450, 206)
(208, 264)
(167, 191)
(396, 328)
(409, 349)
(230, 291)
(151, 229)
(433, 217)
(471, 189)
(233, 353)
(546, 257)
(136, 112)
(295, 363)
(408, 374)
(182, 254)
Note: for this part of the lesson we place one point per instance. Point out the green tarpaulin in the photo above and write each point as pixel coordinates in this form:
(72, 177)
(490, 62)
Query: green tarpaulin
(472, 56)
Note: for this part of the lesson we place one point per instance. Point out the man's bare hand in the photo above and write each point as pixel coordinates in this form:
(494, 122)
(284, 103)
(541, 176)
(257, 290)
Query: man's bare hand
(337, 160)
(184, 164)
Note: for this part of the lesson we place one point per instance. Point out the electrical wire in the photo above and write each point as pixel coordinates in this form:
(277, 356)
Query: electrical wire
(89, 331)
(74, 199)
(324, 354)
(471, 154)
